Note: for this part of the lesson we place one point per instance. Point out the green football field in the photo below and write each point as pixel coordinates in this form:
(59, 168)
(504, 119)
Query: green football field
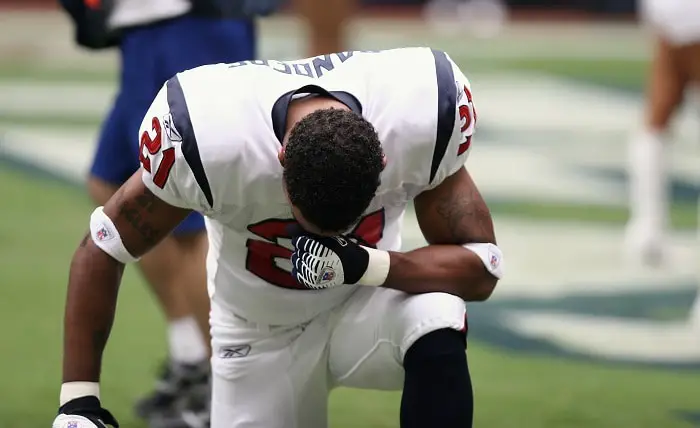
(44, 218)
(39, 235)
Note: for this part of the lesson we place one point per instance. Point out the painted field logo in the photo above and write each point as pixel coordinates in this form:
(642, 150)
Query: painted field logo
(644, 328)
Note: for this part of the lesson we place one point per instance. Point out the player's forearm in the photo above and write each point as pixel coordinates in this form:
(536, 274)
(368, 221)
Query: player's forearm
(90, 305)
(441, 268)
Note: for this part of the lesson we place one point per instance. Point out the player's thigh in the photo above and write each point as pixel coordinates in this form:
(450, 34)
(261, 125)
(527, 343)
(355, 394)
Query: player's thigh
(377, 327)
(268, 377)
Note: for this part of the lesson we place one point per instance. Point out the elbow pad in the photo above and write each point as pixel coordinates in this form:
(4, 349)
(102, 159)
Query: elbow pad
(490, 255)
(106, 236)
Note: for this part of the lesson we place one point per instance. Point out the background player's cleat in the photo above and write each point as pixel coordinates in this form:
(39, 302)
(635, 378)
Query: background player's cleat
(195, 414)
(178, 386)
(194, 411)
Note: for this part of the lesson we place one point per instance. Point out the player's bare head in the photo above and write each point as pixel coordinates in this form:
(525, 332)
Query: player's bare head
(332, 163)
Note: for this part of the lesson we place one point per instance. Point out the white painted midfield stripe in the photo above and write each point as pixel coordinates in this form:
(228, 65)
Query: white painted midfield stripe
(56, 99)
(551, 259)
(65, 153)
(538, 135)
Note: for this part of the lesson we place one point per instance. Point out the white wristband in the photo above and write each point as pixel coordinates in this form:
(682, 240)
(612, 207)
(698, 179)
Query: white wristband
(490, 255)
(72, 390)
(377, 268)
(106, 236)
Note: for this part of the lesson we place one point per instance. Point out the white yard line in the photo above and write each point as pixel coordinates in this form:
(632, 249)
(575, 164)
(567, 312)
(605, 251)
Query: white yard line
(552, 259)
(610, 337)
(541, 136)
(66, 153)
(55, 99)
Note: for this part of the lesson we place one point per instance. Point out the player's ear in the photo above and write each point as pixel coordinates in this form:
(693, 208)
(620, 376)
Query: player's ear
(280, 156)
(383, 161)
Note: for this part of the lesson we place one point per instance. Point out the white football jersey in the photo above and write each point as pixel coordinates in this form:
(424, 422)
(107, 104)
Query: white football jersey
(210, 141)
(129, 13)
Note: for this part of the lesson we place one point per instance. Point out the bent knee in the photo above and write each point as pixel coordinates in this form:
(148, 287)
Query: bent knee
(425, 313)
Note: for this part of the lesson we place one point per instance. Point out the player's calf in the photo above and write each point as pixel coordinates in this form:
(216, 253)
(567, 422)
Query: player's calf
(437, 387)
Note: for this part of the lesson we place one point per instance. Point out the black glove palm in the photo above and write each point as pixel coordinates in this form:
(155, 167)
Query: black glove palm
(90, 408)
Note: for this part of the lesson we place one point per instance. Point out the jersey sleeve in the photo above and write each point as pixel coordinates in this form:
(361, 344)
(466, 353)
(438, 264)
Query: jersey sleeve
(456, 120)
(169, 153)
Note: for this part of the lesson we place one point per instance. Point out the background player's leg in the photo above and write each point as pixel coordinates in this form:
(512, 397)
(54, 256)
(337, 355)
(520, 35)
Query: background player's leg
(194, 247)
(386, 339)
(647, 172)
(327, 23)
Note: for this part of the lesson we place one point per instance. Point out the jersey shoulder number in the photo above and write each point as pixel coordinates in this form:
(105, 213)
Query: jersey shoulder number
(151, 151)
(170, 160)
(467, 117)
(456, 119)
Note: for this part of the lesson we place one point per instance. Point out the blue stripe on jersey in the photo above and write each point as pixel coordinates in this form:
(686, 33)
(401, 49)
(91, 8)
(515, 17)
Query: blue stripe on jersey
(183, 124)
(447, 99)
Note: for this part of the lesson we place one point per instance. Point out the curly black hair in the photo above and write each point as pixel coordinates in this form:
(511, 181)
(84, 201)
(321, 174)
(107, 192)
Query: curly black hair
(332, 164)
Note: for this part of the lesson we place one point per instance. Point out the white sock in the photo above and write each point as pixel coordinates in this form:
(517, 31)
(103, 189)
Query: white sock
(695, 313)
(185, 341)
(648, 181)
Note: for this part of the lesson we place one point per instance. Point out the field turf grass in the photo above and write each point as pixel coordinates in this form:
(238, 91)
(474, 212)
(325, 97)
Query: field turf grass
(512, 390)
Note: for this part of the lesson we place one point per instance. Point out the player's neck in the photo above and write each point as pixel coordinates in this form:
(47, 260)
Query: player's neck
(301, 107)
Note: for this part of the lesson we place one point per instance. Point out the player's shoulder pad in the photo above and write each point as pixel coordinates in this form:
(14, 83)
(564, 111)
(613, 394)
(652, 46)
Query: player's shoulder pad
(456, 119)
(169, 152)
(182, 124)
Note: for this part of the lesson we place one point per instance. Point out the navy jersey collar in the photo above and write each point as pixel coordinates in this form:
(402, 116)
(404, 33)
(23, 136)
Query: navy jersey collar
(279, 109)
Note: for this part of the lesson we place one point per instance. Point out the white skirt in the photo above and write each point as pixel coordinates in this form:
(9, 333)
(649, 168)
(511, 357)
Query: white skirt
(676, 20)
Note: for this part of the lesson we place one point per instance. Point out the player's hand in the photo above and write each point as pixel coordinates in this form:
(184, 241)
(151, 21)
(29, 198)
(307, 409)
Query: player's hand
(84, 412)
(323, 262)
